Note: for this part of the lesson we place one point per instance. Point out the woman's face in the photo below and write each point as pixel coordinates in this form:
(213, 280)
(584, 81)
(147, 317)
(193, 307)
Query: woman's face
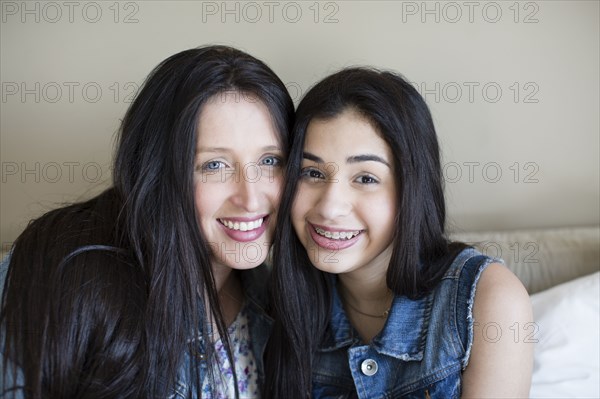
(345, 208)
(238, 176)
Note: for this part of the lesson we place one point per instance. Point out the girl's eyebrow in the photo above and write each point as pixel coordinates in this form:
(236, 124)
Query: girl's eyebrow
(367, 157)
(352, 159)
(312, 157)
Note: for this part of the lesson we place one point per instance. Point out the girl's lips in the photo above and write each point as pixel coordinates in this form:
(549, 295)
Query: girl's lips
(332, 244)
(243, 228)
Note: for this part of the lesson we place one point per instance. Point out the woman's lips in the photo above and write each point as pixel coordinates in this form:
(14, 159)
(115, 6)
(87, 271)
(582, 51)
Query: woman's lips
(333, 239)
(244, 229)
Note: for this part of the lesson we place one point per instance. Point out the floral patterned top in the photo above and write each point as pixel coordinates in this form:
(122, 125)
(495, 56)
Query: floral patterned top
(245, 364)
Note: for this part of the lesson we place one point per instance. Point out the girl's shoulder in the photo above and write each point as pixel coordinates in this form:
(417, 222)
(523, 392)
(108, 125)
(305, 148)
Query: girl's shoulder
(501, 346)
(469, 260)
(486, 282)
(466, 269)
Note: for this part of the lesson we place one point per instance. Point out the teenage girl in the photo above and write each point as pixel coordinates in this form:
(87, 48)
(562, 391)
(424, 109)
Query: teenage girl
(370, 297)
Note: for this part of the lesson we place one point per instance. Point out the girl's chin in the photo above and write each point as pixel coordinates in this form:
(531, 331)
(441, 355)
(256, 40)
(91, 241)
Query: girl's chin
(330, 268)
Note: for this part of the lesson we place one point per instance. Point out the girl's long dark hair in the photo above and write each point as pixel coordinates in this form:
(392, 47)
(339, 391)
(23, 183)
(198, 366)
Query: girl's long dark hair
(421, 251)
(148, 222)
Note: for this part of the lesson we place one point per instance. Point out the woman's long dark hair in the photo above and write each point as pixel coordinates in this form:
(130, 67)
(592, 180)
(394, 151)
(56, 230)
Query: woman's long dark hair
(71, 308)
(148, 219)
(420, 249)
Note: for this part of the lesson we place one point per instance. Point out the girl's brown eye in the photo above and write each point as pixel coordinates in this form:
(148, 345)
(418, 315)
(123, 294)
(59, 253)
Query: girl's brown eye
(367, 180)
(311, 173)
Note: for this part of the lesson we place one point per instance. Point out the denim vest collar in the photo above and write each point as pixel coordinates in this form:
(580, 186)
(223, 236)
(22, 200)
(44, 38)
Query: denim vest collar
(404, 333)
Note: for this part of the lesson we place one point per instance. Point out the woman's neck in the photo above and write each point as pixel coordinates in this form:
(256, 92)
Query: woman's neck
(230, 292)
(231, 297)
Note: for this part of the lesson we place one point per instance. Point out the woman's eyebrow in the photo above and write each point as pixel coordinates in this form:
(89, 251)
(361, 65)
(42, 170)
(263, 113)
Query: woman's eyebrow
(212, 149)
(365, 158)
(223, 149)
(271, 148)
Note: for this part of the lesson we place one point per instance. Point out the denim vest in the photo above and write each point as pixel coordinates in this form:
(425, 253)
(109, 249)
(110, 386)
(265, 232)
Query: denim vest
(421, 351)
(254, 283)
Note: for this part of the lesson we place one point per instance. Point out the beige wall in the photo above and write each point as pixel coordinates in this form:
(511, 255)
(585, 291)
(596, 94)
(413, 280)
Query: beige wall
(513, 87)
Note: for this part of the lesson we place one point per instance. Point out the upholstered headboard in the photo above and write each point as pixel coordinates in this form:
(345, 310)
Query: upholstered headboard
(541, 258)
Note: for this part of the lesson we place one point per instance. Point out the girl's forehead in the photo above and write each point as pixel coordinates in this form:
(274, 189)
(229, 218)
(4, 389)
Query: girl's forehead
(347, 134)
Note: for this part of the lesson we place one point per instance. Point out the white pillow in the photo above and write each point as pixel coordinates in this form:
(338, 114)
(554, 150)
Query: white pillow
(567, 352)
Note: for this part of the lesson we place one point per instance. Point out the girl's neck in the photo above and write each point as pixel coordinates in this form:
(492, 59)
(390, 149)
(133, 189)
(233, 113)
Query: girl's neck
(367, 305)
(368, 282)
(360, 289)
(366, 298)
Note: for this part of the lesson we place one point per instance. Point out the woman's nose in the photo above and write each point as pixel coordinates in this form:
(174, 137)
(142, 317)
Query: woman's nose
(247, 189)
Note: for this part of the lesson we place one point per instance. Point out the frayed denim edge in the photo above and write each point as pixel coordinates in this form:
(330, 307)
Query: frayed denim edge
(470, 318)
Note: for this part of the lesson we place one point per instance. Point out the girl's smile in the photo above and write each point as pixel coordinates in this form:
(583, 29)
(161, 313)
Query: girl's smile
(332, 238)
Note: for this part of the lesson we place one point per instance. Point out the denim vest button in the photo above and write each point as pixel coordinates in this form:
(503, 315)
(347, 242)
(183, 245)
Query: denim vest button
(369, 367)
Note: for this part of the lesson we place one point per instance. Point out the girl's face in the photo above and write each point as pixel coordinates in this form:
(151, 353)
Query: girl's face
(344, 212)
(238, 176)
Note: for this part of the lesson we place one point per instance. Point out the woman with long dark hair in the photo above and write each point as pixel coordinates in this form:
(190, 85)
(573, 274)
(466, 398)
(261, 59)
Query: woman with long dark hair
(371, 300)
(153, 289)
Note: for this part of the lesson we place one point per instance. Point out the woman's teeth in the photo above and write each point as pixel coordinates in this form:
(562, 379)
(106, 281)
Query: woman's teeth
(337, 235)
(242, 226)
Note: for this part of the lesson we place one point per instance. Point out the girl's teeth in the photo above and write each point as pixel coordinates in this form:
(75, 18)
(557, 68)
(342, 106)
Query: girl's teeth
(337, 235)
(242, 226)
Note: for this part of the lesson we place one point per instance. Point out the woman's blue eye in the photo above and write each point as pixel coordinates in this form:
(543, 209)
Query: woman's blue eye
(212, 166)
(271, 161)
